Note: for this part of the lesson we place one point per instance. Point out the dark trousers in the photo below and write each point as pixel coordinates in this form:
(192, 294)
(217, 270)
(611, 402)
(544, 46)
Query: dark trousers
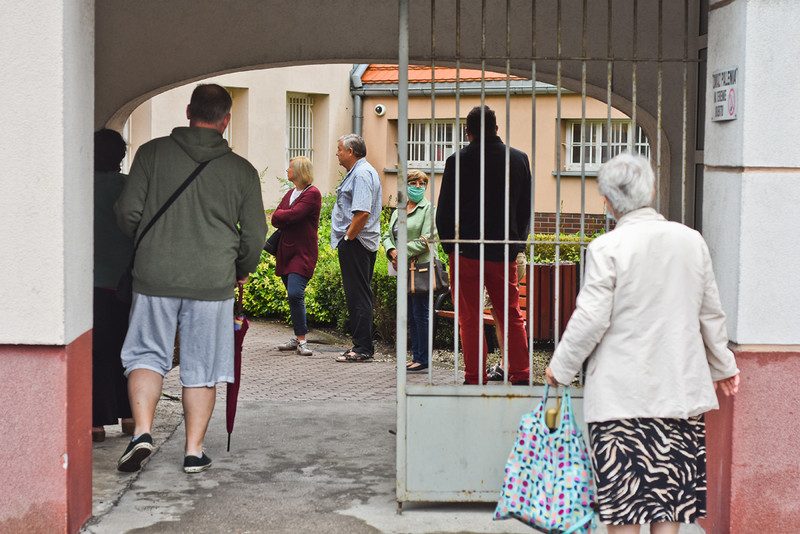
(109, 385)
(418, 326)
(357, 264)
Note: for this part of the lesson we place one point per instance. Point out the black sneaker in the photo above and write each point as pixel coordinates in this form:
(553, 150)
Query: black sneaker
(496, 373)
(137, 452)
(195, 464)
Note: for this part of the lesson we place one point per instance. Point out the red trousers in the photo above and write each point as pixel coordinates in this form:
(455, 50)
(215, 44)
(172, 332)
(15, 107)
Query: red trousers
(470, 314)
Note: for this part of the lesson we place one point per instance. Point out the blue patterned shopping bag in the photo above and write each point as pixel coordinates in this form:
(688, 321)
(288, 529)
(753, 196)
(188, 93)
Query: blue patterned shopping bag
(549, 483)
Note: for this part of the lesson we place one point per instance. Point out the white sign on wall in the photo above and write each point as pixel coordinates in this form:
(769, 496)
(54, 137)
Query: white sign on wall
(725, 95)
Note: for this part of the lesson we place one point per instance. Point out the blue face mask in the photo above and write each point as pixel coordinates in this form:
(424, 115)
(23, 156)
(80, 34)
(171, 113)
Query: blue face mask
(415, 193)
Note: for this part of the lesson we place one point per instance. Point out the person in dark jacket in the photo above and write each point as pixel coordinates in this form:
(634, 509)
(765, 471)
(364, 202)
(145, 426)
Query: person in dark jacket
(297, 216)
(186, 268)
(500, 269)
(112, 253)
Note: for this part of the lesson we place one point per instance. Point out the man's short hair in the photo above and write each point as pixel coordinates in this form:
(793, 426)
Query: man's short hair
(355, 143)
(474, 122)
(209, 104)
(109, 149)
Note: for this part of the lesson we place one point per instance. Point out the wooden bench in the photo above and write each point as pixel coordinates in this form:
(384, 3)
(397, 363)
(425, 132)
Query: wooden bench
(540, 314)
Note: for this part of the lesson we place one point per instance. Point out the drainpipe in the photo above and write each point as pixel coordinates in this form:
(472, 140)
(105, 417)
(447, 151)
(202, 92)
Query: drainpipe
(355, 90)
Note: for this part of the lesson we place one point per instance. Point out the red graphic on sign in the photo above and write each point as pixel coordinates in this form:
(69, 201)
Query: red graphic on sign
(731, 102)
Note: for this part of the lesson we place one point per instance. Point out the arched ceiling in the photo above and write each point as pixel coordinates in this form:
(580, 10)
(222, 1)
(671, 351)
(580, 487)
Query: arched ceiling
(148, 46)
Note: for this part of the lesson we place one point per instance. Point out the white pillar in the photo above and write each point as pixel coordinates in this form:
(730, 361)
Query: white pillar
(751, 197)
(47, 61)
(752, 178)
(46, 210)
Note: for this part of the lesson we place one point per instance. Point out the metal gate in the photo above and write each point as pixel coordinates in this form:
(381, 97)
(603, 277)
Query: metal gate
(639, 59)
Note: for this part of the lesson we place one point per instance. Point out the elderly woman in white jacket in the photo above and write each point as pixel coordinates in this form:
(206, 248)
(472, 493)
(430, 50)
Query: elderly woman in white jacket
(650, 322)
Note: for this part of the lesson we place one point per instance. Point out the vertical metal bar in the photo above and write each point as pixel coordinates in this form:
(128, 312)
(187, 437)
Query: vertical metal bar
(609, 80)
(532, 238)
(684, 140)
(556, 299)
(402, 248)
(583, 122)
(634, 71)
(434, 247)
(507, 184)
(455, 292)
(660, 100)
(482, 181)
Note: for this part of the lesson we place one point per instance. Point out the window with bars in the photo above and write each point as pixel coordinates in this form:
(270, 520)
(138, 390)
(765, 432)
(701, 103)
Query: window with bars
(448, 135)
(597, 143)
(299, 126)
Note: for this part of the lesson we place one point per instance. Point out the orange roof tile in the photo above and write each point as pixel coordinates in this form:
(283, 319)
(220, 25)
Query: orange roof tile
(383, 73)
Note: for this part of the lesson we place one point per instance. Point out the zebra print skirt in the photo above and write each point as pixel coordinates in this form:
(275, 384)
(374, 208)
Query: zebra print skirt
(650, 470)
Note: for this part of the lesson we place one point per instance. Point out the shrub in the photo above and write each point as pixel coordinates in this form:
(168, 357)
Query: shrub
(569, 249)
(265, 295)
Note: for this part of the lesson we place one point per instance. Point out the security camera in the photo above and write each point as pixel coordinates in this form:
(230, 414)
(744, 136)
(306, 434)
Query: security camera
(380, 110)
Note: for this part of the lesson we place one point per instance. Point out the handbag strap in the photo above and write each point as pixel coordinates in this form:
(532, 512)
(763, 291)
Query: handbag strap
(565, 411)
(169, 202)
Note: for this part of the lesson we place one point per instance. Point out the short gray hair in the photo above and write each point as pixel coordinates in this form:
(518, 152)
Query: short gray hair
(355, 143)
(627, 182)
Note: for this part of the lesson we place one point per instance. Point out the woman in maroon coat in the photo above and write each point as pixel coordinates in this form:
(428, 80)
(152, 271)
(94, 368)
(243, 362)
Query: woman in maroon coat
(298, 218)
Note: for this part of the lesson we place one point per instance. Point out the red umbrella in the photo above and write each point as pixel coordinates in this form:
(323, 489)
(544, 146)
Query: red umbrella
(240, 326)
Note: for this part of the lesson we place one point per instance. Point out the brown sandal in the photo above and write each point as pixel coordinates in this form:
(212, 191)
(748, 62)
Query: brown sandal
(354, 357)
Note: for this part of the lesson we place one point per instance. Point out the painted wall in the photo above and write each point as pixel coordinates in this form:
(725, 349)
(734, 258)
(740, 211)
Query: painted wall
(47, 49)
(752, 186)
(752, 178)
(259, 118)
(46, 181)
(380, 134)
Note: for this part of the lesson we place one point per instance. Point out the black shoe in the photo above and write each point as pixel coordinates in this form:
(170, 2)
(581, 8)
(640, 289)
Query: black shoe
(496, 373)
(137, 452)
(195, 464)
(520, 383)
(417, 367)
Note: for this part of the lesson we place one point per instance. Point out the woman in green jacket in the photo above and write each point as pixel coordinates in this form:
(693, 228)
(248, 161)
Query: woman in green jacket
(420, 230)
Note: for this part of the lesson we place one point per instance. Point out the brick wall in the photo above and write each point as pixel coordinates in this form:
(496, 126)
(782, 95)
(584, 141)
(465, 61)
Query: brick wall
(545, 223)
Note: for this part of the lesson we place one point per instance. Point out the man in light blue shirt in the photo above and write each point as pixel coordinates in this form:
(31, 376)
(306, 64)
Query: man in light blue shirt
(356, 232)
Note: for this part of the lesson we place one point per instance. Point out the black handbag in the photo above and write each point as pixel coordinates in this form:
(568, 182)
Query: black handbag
(419, 277)
(419, 274)
(124, 291)
(271, 246)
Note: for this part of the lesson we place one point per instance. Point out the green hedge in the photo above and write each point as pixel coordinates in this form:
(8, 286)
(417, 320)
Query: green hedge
(569, 248)
(265, 295)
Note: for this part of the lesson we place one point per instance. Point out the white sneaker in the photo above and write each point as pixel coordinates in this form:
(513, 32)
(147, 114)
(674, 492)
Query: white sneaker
(303, 350)
(292, 344)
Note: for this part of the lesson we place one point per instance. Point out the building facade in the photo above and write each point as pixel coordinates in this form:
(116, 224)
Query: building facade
(78, 65)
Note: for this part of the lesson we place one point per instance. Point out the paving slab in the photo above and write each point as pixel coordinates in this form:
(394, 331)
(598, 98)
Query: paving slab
(313, 450)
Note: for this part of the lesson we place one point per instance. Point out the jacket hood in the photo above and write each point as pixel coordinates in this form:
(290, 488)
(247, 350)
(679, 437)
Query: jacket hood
(201, 144)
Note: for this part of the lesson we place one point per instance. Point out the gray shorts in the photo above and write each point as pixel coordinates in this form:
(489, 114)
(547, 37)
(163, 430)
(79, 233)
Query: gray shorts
(206, 329)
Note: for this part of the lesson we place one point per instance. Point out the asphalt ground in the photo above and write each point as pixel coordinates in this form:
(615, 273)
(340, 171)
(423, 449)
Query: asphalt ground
(313, 450)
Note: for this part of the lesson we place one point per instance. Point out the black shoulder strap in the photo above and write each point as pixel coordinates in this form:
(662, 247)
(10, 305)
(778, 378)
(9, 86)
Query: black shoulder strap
(169, 201)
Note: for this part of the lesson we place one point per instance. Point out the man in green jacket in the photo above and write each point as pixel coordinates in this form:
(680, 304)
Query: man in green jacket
(186, 268)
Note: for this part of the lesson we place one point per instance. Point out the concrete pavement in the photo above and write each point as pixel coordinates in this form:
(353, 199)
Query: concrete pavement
(312, 451)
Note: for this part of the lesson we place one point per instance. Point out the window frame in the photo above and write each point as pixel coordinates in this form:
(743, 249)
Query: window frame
(299, 134)
(598, 144)
(442, 145)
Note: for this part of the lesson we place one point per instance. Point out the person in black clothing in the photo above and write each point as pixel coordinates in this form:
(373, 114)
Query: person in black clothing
(112, 253)
(497, 270)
